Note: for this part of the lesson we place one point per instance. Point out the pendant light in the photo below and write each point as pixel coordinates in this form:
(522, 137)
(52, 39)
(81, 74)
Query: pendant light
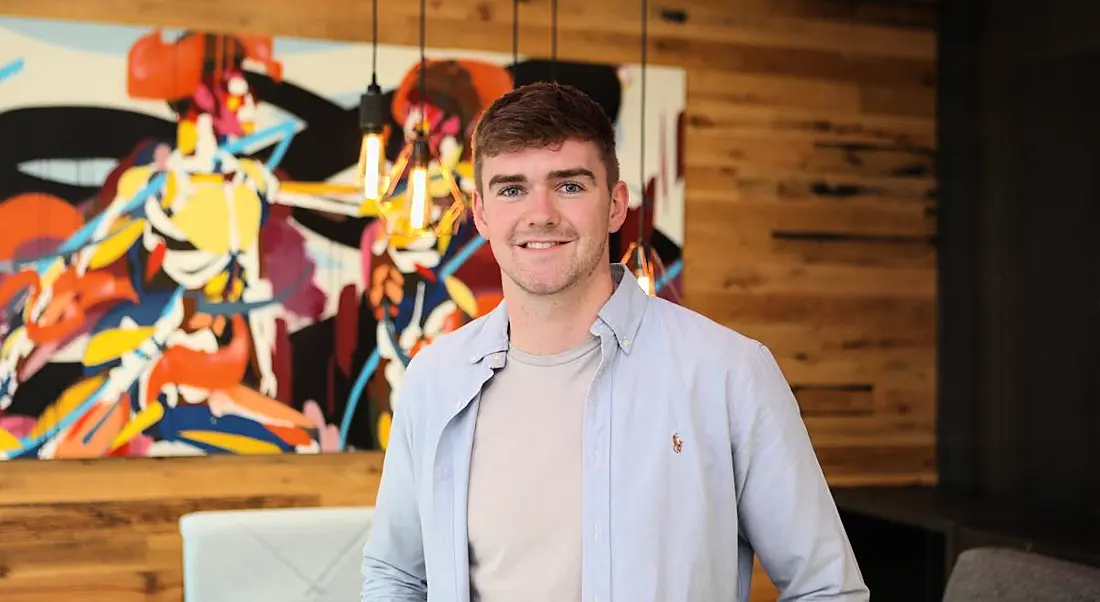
(411, 215)
(371, 177)
(640, 257)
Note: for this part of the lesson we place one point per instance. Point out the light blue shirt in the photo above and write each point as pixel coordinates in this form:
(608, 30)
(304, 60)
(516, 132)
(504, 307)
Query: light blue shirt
(695, 457)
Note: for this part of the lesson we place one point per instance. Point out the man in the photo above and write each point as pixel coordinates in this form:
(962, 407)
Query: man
(584, 441)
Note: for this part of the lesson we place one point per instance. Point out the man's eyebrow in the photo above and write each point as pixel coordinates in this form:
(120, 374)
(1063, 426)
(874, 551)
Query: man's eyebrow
(506, 179)
(572, 173)
(558, 174)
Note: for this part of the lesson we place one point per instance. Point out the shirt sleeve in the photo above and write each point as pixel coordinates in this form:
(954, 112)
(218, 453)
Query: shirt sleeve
(786, 511)
(393, 557)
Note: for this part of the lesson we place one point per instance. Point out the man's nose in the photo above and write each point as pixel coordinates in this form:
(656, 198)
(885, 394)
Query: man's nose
(542, 209)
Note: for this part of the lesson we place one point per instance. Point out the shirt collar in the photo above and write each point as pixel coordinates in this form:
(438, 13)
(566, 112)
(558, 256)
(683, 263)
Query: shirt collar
(621, 314)
(624, 310)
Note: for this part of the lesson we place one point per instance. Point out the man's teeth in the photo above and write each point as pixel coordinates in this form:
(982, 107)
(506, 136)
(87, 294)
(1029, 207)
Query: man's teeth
(540, 245)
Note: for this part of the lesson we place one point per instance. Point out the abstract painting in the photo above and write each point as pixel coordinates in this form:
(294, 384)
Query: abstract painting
(180, 273)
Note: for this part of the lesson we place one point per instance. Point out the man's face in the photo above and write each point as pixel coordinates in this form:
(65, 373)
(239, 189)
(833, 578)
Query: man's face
(547, 213)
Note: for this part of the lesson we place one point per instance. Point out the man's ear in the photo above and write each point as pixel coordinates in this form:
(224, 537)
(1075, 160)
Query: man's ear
(479, 215)
(620, 201)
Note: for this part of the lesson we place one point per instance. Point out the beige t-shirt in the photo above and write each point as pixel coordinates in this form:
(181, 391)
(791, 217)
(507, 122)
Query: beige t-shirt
(525, 478)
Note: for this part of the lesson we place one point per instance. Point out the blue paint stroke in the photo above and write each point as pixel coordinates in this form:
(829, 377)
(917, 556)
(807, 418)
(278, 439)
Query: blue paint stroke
(461, 257)
(356, 394)
(12, 69)
(671, 272)
(287, 129)
(115, 40)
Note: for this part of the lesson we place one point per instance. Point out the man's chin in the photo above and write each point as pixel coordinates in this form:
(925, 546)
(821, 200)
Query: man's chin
(546, 289)
(543, 285)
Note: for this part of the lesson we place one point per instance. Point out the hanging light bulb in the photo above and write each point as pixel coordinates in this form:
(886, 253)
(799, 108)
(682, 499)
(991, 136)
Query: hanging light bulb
(420, 203)
(649, 270)
(412, 213)
(638, 260)
(371, 176)
(416, 212)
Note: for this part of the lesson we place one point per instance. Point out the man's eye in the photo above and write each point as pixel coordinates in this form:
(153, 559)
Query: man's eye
(509, 191)
(572, 188)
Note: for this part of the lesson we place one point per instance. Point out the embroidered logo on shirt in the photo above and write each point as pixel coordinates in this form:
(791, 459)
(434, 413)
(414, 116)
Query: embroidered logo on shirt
(677, 443)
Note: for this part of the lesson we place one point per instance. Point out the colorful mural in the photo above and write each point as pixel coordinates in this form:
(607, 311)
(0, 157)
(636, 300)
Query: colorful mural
(183, 270)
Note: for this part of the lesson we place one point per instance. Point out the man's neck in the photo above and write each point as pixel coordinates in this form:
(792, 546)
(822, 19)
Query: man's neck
(551, 325)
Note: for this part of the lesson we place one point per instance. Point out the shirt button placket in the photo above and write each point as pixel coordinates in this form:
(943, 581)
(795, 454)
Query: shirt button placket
(600, 477)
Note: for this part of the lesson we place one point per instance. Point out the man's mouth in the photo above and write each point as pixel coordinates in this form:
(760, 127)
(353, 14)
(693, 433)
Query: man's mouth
(539, 245)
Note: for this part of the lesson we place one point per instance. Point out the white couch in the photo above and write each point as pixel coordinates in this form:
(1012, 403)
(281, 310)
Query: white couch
(274, 555)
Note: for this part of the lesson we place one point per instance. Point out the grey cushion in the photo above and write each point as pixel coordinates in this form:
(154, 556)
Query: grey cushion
(1011, 575)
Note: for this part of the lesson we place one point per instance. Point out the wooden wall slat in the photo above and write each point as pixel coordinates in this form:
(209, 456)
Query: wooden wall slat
(749, 24)
(333, 478)
(810, 132)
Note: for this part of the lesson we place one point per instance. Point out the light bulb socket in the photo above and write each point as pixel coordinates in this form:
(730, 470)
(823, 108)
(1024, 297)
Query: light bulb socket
(372, 110)
(421, 152)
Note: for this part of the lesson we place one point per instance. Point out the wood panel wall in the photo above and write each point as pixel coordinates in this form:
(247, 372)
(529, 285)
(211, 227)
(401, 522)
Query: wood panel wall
(810, 225)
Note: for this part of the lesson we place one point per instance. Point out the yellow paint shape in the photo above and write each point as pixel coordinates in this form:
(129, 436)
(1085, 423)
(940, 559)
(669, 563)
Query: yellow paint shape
(111, 344)
(116, 245)
(144, 419)
(212, 211)
(462, 295)
(8, 441)
(385, 423)
(232, 442)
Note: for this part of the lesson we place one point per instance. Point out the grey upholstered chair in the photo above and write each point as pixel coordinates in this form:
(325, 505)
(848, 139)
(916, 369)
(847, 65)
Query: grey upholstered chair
(1011, 575)
(274, 555)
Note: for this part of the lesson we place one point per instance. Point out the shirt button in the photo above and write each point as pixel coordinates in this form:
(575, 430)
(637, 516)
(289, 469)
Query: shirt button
(596, 458)
(597, 531)
(496, 357)
(626, 342)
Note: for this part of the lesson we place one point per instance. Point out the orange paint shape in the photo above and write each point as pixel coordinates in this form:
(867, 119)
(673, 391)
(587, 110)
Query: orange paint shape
(291, 436)
(110, 418)
(30, 216)
(220, 370)
(264, 406)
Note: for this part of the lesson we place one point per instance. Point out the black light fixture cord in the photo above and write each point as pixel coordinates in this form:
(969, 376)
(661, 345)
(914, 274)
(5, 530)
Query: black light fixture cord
(554, 40)
(374, 45)
(515, 41)
(641, 135)
(423, 66)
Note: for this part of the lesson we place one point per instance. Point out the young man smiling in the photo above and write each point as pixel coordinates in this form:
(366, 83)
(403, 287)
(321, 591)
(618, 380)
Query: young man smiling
(584, 442)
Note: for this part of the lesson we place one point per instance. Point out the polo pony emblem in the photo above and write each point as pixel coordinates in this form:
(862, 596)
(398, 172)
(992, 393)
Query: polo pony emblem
(677, 443)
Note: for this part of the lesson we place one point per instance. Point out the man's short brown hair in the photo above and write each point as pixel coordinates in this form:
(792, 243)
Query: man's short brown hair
(539, 115)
